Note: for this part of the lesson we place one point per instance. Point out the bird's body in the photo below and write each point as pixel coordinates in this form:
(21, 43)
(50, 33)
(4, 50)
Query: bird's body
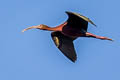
(64, 34)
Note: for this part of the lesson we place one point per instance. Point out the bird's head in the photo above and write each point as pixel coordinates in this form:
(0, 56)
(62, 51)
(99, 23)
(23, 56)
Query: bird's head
(41, 27)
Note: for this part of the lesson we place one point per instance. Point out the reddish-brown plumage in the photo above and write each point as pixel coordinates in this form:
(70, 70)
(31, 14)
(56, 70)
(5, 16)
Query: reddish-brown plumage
(64, 34)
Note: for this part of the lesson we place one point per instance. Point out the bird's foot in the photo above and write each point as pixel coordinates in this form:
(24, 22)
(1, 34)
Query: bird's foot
(104, 38)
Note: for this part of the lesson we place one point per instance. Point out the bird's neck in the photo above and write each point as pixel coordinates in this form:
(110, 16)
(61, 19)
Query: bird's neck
(53, 29)
(57, 28)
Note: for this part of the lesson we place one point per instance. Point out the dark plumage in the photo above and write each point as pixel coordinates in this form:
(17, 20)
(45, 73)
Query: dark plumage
(64, 44)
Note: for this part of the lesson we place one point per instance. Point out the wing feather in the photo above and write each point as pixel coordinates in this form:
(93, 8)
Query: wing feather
(78, 21)
(65, 45)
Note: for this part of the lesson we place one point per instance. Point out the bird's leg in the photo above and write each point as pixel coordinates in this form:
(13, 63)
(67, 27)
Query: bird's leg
(98, 37)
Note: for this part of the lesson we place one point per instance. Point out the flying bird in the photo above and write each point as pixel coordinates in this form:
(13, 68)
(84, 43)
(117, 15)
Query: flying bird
(63, 35)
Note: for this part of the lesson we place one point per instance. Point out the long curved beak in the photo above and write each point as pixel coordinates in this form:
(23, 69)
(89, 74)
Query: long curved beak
(29, 28)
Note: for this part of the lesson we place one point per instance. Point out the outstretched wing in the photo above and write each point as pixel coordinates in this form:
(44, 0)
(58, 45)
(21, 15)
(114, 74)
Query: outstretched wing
(65, 45)
(78, 21)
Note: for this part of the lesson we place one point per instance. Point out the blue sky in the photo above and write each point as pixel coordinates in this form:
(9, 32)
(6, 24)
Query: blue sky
(33, 56)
